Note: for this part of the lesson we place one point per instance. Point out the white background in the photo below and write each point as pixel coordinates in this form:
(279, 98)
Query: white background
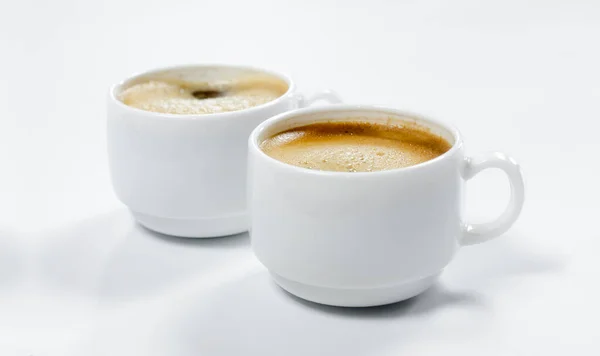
(78, 277)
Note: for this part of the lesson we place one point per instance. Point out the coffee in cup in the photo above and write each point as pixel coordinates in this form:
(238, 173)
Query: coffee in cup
(202, 92)
(355, 146)
(336, 236)
(177, 143)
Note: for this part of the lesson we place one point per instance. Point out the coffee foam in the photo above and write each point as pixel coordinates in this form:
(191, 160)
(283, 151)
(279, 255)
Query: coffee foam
(355, 146)
(176, 92)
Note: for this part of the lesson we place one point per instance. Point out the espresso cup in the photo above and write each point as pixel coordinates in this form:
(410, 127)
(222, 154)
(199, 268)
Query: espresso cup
(185, 175)
(366, 238)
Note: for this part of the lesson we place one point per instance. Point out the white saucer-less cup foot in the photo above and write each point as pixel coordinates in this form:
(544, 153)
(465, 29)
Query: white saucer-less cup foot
(195, 228)
(363, 297)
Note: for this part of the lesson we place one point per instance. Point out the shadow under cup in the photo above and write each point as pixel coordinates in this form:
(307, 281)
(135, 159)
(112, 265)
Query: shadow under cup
(355, 238)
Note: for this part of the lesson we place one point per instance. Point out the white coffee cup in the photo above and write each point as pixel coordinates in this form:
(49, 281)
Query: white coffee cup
(370, 238)
(185, 175)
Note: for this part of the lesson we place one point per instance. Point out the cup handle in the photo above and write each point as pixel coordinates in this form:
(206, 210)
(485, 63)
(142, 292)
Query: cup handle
(326, 95)
(477, 233)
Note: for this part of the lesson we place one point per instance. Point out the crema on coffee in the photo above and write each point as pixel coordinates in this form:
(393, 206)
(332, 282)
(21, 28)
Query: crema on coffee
(354, 146)
(203, 91)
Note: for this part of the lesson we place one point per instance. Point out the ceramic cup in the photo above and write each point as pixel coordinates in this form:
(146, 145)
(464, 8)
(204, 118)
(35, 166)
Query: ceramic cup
(371, 238)
(185, 175)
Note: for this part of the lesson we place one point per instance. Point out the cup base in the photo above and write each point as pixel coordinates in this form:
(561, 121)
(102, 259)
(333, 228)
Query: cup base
(194, 228)
(356, 297)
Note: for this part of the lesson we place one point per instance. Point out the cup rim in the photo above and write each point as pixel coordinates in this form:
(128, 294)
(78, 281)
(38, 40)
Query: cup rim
(254, 144)
(218, 116)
